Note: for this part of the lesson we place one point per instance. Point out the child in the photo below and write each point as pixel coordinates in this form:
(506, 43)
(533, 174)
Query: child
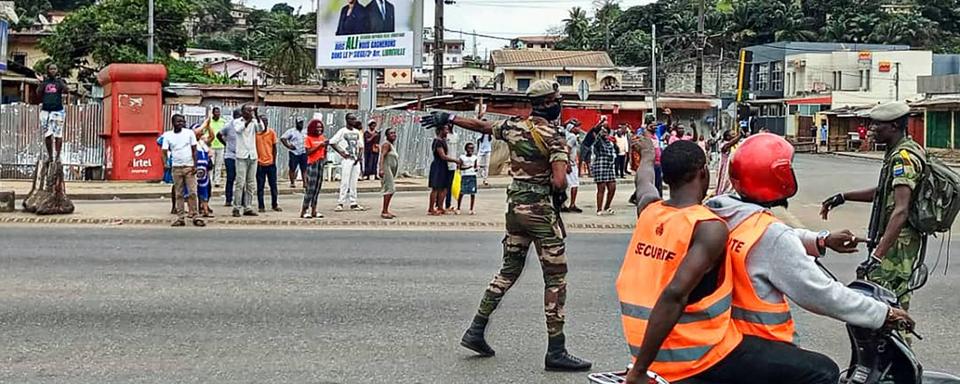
(468, 177)
(204, 167)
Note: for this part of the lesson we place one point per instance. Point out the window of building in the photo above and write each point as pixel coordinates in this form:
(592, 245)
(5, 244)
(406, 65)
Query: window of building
(763, 77)
(455, 59)
(776, 76)
(565, 80)
(837, 80)
(20, 58)
(523, 84)
(867, 73)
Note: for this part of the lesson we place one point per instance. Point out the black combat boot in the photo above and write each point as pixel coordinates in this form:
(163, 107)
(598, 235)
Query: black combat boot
(473, 339)
(558, 359)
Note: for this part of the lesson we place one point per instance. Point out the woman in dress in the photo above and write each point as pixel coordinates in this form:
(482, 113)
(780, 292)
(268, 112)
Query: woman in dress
(389, 165)
(603, 167)
(439, 172)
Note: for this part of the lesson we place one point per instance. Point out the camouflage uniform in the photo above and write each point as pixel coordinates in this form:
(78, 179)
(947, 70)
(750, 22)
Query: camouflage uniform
(530, 217)
(903, 165)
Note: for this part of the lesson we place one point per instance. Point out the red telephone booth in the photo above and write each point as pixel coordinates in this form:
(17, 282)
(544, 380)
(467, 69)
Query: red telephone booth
(133, 119)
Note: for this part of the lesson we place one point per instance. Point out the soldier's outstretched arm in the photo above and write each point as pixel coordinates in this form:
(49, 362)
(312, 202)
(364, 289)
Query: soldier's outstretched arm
(439, 119)
(645, 179)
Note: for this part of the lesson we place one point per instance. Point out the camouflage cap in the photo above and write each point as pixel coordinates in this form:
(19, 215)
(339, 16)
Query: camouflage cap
(889, 111)
(542, 88)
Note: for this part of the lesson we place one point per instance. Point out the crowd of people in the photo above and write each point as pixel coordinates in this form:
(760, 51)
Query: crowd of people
(246, 148)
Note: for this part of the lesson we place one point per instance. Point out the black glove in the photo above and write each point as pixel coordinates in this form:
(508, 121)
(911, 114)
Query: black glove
(834, 201)
(435, 119)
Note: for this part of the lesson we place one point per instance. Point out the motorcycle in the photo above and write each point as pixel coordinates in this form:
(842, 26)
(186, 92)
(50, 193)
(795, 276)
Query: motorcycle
(877, 356)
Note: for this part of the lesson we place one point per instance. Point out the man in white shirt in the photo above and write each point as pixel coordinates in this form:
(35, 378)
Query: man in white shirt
(572, 133)
(180, 146)
(484, 149)
(348, 143)
(245, 187)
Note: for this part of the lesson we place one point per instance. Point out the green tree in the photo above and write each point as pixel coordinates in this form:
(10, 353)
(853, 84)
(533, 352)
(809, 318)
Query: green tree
(283, 8)
(213, 16)
(113, 31)
(285, 52)
(576, 29)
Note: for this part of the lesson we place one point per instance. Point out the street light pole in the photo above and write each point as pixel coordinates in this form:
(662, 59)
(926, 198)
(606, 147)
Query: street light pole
(149, 31)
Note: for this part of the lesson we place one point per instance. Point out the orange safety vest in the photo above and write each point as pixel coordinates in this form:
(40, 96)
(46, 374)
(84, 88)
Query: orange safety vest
(705, 333)
(752, 315)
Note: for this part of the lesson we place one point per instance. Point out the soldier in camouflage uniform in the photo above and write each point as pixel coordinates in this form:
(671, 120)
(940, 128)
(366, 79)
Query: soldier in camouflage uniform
(899, 243)
(538, 160)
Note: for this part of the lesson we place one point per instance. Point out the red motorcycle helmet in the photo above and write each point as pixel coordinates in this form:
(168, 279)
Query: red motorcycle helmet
(761, 170)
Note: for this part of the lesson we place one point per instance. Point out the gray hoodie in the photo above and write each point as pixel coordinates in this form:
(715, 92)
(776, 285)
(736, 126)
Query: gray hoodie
(781, 262)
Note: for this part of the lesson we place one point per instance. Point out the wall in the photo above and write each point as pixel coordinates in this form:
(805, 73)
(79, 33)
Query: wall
(460, 78)
(29, 46)
(683, 79)
(510, 79)
(249, 72)
(21, 142)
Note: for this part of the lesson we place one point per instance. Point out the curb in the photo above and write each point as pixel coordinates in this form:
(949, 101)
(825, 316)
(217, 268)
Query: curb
(101, 196)
(412, 224)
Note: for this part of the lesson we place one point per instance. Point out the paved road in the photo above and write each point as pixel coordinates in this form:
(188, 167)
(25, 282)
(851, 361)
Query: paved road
(269, 305)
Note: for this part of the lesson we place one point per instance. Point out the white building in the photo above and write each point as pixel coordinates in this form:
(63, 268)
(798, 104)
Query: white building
(452, 55)
(241, 70)
(816, 82)
(207, 56)
(539, 43)
(467, 77)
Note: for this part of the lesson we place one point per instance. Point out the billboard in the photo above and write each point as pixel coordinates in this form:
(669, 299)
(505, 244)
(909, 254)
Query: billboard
(369, 33)
(4, 32)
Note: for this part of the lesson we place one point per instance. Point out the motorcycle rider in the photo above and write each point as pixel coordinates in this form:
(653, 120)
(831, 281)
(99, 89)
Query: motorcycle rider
(767, 259)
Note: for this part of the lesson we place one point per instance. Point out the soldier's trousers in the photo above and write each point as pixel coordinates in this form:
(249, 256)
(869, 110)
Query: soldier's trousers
(532, 224)
(896, 269)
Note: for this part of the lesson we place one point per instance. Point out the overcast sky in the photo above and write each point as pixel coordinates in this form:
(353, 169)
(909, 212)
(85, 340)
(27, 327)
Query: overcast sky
(500, 18)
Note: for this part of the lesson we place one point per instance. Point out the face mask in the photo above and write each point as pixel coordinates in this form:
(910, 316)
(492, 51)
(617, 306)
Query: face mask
(551, 113)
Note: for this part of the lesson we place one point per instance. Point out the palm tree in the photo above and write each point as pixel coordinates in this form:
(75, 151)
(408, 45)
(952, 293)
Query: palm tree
(793, 25)
(286, 53)
(577, 29)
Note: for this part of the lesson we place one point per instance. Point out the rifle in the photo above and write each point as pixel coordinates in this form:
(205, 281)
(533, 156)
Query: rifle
(873, 231)
(559, 197)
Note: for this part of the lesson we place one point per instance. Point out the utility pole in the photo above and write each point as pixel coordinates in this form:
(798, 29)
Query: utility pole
(718, 93)
(149, 31)
(438, 48)
(653, 68)
(701, 41)
(896, 80)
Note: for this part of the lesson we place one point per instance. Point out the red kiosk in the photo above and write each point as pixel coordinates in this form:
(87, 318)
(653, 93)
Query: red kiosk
(133, 119)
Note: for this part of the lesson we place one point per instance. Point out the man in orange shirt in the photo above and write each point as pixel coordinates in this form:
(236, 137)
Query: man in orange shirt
(267, 165)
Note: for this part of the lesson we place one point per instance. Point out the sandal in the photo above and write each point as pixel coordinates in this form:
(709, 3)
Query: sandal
(387, 216)
(198, 222)
(434, 213)
(318, 215)
(306, 216)
(178, 223)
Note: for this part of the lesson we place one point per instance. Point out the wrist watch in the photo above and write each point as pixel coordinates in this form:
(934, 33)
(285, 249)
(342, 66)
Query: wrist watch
(822, 242)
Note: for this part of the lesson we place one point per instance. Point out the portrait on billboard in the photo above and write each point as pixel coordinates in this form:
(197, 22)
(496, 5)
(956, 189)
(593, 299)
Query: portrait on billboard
(368, 33)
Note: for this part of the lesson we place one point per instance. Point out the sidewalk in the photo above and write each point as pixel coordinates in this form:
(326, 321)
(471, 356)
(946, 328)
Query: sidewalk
(410, 208)
(110, 190)
(878, 156)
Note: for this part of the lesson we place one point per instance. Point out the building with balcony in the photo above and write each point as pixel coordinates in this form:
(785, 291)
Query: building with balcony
(517, 69)
(537, 43)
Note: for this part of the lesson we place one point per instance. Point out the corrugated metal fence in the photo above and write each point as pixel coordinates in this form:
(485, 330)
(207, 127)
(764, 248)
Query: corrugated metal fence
(21, 141)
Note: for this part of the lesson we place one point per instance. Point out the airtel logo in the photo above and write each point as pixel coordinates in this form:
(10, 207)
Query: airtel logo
(139, 150)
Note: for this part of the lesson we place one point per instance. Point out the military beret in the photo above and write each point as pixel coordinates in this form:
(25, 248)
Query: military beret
(542, 88)
(889, 111)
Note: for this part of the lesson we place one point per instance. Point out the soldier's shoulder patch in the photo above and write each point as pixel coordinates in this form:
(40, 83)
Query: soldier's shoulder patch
(898, 170)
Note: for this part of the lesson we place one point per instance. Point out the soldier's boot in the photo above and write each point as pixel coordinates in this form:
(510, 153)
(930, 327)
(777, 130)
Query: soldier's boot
(474, 340)
(558, 359)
